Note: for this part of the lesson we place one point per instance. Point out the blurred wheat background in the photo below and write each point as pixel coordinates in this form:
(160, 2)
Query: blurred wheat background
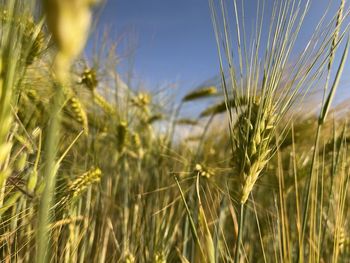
(95, 168)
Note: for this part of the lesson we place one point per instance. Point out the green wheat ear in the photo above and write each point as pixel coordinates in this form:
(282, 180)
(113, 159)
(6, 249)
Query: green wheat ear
(187, 121)
(122, 131)
(154, 118)
(34, 37)
(253, 133)
(200, 93)
(336, 33)
(221, 106)
(89, 79)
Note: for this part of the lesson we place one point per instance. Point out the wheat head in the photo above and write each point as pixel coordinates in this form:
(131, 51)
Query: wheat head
(253, 134)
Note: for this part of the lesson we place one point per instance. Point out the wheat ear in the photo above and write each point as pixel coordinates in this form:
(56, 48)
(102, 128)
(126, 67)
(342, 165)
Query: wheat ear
(253, 135)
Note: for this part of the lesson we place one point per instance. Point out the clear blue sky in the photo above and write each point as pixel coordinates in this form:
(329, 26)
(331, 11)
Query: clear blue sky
(175, 39)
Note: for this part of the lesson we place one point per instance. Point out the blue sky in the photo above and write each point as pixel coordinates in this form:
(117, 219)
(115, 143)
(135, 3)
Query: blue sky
(174, 38)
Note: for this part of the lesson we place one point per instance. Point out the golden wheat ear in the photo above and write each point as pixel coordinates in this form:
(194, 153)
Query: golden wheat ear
(79, 112)
(75, 108)
(89, 79)
(103, 103)
(78, 186)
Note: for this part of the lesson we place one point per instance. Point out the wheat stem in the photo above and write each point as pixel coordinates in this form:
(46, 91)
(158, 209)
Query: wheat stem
(239, 237)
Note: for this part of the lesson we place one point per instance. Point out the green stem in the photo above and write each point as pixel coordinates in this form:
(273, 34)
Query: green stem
(173, 124)
(307, 197)
(239, 237)
(49, 176)
(202, 140)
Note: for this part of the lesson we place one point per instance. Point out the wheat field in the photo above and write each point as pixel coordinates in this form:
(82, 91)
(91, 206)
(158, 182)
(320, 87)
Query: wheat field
(95, 170)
